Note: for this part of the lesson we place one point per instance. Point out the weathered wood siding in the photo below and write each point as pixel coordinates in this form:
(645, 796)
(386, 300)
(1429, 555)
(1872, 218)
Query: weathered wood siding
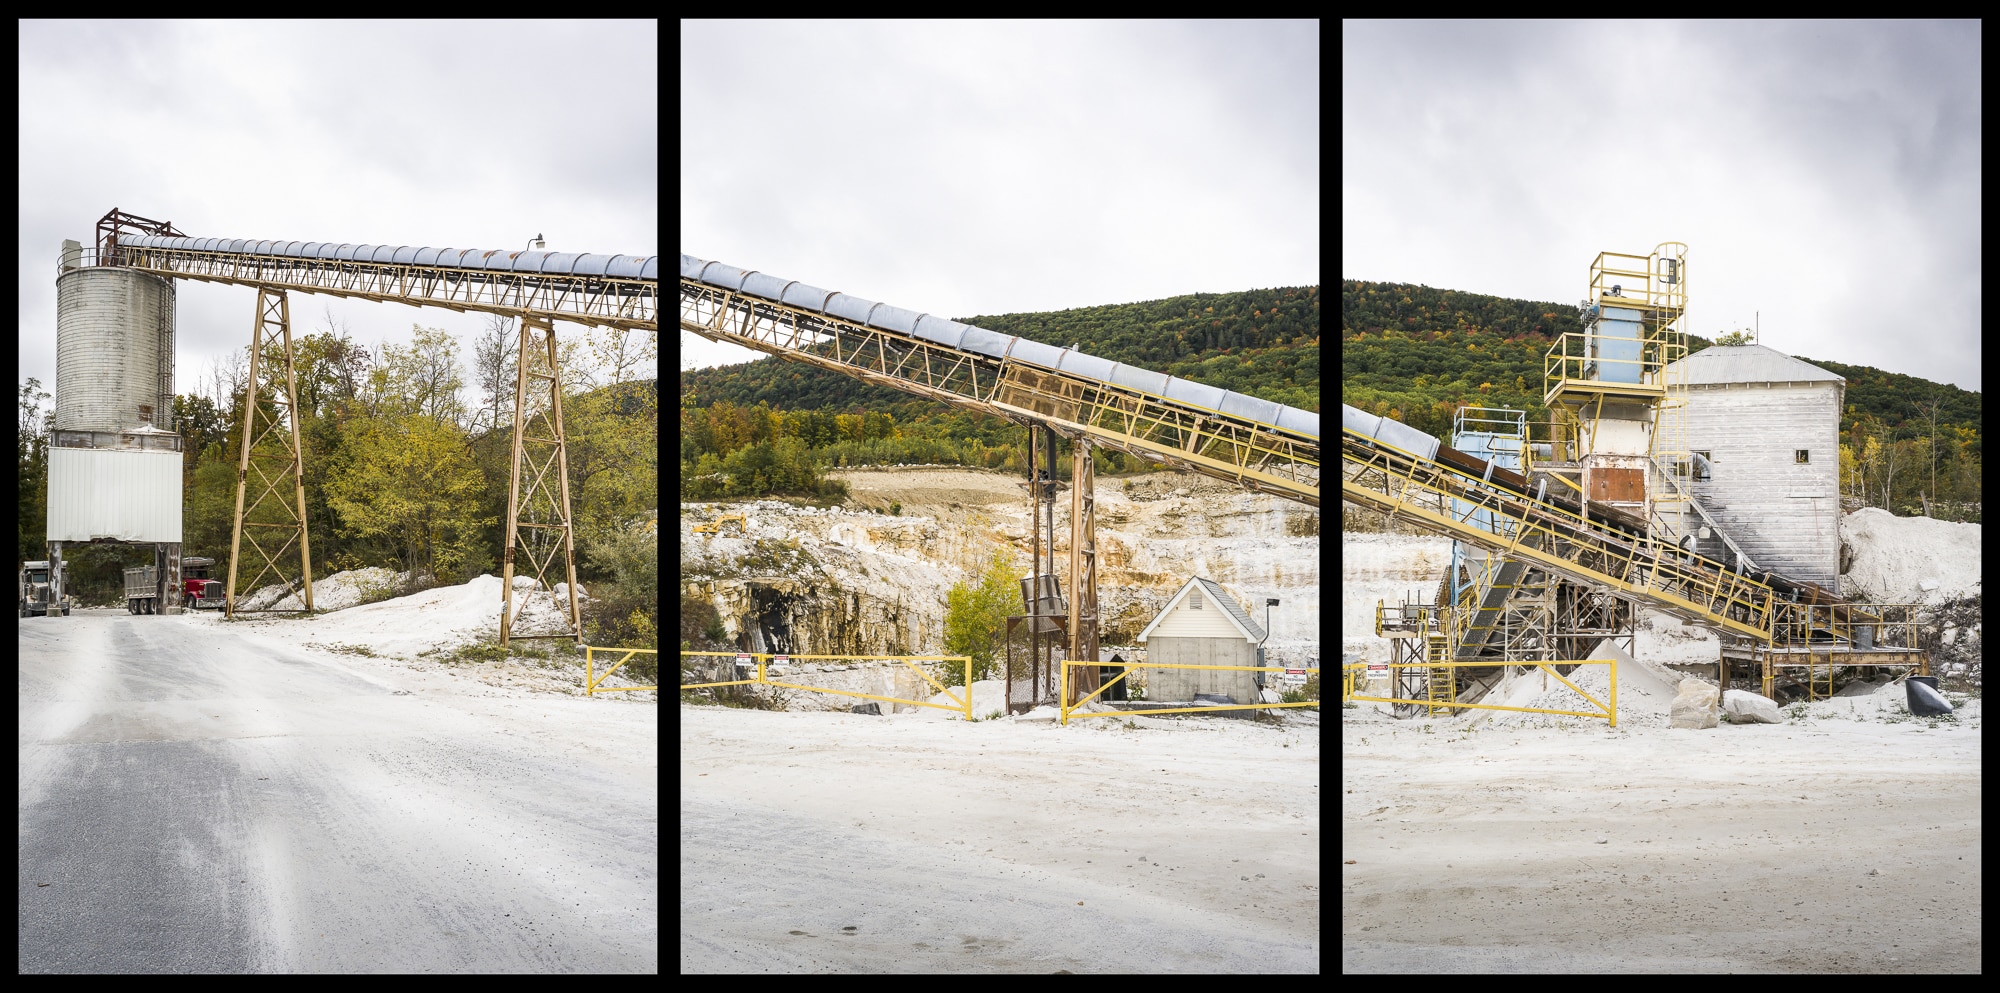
(1785, 515)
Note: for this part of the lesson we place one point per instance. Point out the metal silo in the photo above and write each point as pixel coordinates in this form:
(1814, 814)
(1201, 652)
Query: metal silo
(114, 350)
(114, 459)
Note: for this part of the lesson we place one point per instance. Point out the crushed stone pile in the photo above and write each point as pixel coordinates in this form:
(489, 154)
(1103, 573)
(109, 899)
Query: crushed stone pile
(1909, 559)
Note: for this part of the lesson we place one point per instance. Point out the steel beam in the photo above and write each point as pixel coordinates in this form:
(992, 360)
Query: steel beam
(271, 448)
(538, 510)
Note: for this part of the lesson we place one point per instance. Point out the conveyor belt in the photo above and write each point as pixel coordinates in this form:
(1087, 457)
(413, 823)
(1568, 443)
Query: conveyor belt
(1417, 488)
(1254, 443)
(620, 291)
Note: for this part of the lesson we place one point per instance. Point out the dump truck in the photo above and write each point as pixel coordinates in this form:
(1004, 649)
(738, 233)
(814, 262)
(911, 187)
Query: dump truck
(142, 590)
(35, 591)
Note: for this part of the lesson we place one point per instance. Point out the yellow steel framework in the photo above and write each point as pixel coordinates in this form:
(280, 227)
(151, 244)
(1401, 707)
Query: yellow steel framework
(1413, 488)
(271, 465)
(1254, 455)
(763, 662)
(591, 678)
(1607, 710)
(539, 525)
(539, 520)
(601, 300)
(1070, 709)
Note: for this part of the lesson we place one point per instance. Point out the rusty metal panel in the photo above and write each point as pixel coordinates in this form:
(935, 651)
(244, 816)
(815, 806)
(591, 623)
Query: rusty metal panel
(1617, 485)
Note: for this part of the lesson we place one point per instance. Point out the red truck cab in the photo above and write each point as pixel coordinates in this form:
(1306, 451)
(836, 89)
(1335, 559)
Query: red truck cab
(202, 592)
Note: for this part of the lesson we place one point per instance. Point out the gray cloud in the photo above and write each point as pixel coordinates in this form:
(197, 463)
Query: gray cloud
(969, 167)
(1823, 174)
(467, 134)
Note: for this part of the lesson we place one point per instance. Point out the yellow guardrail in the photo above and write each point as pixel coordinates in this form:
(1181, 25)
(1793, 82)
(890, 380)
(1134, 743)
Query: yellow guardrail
(591, 679)
(762, 661)
(1605, 711)
(1069, 709)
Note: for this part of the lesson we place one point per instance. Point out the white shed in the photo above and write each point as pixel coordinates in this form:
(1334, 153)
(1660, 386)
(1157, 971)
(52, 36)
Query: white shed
(1202, 625)
(1765, 430)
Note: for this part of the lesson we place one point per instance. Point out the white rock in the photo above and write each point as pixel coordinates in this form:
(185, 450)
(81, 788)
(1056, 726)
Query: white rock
(1694, 705)
(1745, 707)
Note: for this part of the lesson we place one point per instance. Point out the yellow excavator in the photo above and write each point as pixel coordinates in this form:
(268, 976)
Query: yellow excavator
(716, 525)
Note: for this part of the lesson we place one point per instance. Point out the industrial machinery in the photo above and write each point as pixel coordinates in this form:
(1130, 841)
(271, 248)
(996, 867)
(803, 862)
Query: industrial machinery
(115, 463)
(1558, 540)
(715, 526)
(1091, 401)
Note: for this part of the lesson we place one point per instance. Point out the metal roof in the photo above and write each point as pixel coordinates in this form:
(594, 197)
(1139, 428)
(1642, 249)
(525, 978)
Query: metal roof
(494, 259)
(1718, 364)
(1252, 631)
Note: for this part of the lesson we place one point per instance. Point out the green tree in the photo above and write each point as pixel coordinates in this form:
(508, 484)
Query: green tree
(1735, 338)
(410, 479)
(31, 471)
(975, 619)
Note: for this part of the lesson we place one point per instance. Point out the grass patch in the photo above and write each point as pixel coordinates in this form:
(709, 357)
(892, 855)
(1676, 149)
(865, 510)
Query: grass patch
(476, 652)
(342, 649)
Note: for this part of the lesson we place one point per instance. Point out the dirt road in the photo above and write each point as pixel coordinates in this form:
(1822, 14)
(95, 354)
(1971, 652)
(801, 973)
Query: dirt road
(193, 802)
(840, 843)
(1830, 846)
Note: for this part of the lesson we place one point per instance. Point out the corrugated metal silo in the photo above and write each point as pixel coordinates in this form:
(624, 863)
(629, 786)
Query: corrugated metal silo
(114, 350)
(114, 460)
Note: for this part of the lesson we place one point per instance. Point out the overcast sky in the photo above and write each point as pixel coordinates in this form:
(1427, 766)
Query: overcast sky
(461, 134)
(1825, 174)
(963, 168)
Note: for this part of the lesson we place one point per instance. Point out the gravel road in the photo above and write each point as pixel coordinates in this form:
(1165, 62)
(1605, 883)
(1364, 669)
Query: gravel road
(948, 847)
(194, 802)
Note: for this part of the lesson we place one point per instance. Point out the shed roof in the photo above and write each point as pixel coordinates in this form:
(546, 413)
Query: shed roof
(1719, 364)
(1252, 631)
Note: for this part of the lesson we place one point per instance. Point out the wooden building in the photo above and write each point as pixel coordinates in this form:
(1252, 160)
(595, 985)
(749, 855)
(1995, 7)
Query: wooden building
(1203, 625)
(1764, 428)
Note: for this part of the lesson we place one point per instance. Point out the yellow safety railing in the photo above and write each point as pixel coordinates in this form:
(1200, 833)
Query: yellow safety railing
(1069, 709)
(591, 678)
(1407, 486)
(762, 660)
(1605, 711)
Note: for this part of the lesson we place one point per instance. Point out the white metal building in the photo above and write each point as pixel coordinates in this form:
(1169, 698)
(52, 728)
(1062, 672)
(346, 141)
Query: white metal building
(1765, 430)
(1202, 625)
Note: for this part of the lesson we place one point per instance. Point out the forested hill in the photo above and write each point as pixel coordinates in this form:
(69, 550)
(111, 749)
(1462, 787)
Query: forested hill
(1263, 343)
(1416, 353)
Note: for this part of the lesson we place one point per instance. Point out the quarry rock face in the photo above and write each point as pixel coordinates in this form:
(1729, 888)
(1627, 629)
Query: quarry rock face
(1694, 705)
(857, 580)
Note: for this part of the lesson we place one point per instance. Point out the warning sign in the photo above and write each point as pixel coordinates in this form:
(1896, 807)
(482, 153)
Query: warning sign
(778, 660)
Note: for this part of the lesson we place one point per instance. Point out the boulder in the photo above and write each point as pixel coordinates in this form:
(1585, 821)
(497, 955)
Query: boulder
(1694, 705)
(1745, 707)
(871, 709)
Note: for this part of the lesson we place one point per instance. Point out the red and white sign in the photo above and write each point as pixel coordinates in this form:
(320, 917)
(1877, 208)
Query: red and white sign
(778, 660)
(744, 660)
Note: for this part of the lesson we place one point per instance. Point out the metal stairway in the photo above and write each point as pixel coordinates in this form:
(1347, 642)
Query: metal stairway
(1419, 490)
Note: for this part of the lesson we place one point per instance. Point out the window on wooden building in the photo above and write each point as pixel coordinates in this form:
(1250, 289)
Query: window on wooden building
(1701, 462)
(1799, 456)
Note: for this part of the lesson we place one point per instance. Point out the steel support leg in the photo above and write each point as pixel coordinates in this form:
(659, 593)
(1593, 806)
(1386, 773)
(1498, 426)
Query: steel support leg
(1083, 566)
(272, 463)
(538, 511)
